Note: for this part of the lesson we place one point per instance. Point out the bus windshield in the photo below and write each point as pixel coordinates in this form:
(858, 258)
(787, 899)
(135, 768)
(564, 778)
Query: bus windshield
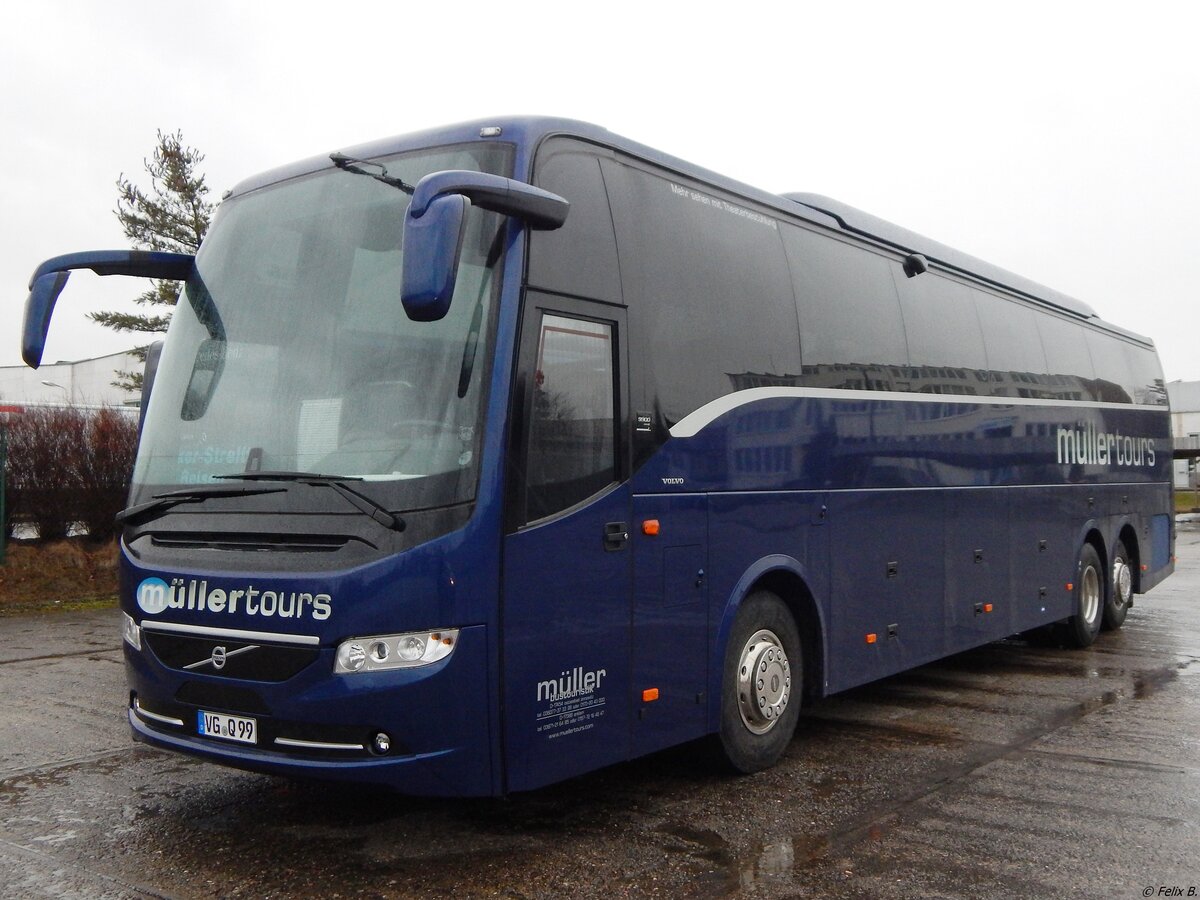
(289, 349)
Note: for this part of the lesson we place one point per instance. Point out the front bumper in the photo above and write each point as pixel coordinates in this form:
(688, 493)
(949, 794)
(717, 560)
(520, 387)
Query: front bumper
(319, 725)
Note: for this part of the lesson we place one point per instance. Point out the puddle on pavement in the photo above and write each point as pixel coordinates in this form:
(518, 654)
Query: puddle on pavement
(769, 860)
(14, 787)
(779, 859)
(775, 858)
(1146, 684)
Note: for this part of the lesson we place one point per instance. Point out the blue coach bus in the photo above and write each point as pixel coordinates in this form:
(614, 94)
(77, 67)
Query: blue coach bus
(483, 457)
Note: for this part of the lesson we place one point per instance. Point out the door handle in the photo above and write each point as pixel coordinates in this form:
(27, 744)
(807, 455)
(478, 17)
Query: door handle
(616, 535)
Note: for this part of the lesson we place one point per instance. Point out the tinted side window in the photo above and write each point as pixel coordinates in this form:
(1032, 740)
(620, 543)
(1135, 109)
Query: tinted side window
(572, 446)
(1144, 368)
(708, 290)
(1014, 347)
(1114, 380)
(940, 322)
(1069, 362)
(851, 333)
(579, 258)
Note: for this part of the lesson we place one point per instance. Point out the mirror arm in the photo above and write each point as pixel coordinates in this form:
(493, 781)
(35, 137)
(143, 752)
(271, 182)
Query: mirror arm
(50, 278)
(537, 208)
(141, 263)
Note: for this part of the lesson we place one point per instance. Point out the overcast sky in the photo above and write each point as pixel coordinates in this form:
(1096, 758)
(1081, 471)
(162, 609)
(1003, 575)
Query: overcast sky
(1058, 140)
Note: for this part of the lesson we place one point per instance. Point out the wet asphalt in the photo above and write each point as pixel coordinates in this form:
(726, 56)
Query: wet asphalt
(1016, 770)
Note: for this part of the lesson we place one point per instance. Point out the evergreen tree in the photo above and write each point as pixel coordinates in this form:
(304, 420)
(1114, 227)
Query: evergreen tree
(173, 215)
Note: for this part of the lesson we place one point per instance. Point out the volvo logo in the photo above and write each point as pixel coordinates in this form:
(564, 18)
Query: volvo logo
(219, 656)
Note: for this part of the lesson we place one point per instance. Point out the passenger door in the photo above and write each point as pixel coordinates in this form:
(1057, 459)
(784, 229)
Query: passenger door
(567, 571)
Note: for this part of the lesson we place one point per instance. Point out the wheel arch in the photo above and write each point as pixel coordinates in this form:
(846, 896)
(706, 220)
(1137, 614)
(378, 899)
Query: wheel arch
(1092, 535)
(788, 579)
(1092, 532)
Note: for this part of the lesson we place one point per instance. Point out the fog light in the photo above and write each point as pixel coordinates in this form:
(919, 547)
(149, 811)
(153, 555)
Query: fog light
(351, 657)
(381, 743)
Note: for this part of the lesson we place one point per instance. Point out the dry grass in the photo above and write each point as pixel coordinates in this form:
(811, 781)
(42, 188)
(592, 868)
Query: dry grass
(66, 574)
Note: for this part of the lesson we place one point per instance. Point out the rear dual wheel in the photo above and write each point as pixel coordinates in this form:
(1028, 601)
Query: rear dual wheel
(1090, 590)
(1120, 590)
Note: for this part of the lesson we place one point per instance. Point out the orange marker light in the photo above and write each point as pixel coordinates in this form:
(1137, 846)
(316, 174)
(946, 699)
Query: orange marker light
(987, 607)
(1070, 587)
(650, 527)
(649, 695)
(872, 638)
(1144, 568)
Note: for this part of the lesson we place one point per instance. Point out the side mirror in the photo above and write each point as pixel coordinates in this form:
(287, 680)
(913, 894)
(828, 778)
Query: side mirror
(433, 230)
(50, 278)
(432, 246)
(39, 307)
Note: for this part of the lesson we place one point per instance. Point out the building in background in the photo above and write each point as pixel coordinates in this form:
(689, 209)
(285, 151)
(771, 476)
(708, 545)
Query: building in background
(86, 382)
(1185, 426)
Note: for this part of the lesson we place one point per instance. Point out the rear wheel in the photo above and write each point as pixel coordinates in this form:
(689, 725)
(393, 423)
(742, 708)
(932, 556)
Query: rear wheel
(1120, 591)
(761, 683)
(1090, 590)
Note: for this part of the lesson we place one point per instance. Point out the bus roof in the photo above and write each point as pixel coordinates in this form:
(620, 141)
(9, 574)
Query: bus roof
(526, 132)
(859, 222)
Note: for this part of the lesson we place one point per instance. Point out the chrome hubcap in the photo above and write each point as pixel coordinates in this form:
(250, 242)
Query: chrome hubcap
(1089, 598)
(1122, 582)
(764, 681)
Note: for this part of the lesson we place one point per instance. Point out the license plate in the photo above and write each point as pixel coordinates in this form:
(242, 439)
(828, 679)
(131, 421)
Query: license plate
(229, 728)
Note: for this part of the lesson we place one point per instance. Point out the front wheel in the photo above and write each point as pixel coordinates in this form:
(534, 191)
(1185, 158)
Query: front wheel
(1090, 589)
(1120, 591)
(761, 685)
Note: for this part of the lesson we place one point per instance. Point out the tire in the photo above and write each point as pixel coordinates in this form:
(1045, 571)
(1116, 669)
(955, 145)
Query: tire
(758, 716)
(1120, 590)
(1090, 591)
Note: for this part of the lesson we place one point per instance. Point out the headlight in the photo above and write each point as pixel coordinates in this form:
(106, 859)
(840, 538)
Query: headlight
(394, 651)
(350, 657)
(131, 631)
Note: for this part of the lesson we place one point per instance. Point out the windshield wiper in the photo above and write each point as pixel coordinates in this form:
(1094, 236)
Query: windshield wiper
(355, 166)
(164, 501)
(361, 502)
